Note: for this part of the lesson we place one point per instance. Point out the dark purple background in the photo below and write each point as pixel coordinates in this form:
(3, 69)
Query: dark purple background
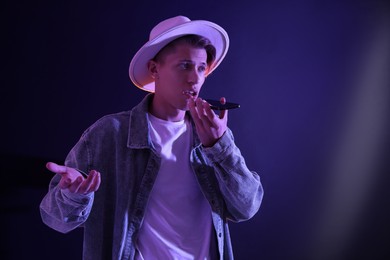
(312, 78)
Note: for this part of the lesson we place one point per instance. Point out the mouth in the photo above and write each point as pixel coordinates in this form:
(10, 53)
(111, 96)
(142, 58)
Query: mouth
(189, 93)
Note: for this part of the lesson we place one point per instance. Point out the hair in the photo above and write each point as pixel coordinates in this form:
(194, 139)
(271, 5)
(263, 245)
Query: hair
(193, 40)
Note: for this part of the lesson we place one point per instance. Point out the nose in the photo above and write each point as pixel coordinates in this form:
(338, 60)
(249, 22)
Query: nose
(194, 77)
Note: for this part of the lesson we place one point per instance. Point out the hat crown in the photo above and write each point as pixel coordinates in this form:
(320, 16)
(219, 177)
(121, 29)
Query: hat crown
(167, 24)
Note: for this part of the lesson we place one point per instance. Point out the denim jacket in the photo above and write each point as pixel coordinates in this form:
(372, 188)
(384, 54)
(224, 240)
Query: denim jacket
(119, 147)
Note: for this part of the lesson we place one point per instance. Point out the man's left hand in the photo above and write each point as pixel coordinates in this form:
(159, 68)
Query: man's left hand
(209, 125)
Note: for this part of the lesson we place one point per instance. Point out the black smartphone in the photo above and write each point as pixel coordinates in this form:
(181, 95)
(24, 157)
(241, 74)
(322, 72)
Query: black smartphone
(216, 105)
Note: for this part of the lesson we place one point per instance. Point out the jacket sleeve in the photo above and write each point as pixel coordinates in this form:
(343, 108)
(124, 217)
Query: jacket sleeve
(240, 187)
(61, 209)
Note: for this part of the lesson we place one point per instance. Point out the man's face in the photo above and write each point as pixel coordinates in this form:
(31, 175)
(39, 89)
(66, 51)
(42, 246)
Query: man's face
(179, 76)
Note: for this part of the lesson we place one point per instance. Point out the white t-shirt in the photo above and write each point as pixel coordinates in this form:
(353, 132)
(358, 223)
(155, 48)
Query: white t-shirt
(177, 222)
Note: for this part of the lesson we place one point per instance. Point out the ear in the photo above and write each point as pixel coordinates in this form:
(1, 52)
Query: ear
(152, 68)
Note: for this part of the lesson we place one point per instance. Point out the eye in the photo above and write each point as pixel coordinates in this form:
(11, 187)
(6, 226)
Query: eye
(202, 68)
(185, 65)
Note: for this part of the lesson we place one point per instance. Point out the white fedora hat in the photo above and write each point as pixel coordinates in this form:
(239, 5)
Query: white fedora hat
(165, 32)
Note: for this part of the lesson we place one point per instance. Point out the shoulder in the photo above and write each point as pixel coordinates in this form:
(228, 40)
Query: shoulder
(110, 123)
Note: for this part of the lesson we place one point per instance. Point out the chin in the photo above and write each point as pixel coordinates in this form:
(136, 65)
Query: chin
(185, 109)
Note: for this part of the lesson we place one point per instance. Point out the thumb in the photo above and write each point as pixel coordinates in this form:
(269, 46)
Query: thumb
(53, 167)
(224, 113)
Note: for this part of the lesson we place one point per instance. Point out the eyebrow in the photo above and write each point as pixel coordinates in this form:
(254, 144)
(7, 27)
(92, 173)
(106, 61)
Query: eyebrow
(191, 61)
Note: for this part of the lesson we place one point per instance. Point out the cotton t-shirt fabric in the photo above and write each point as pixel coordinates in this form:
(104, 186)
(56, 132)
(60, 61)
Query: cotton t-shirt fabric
(177, 223)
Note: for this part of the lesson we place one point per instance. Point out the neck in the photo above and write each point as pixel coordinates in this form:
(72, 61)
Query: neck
(166, 113)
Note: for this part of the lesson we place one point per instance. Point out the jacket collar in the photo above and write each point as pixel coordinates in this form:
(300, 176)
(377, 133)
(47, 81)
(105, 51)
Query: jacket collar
(138, 135)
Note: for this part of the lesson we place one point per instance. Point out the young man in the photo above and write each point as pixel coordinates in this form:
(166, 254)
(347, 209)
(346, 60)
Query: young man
(165, 177)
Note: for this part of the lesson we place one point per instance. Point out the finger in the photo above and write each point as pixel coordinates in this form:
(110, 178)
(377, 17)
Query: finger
(96, 182)
(53, 167)
(201, 107)
(64, 183)
(223, 114)
(194, 110)
(202, 104)
(74, 187)
(93, 183)
(87, 184)
(210, 114)
(206, 115)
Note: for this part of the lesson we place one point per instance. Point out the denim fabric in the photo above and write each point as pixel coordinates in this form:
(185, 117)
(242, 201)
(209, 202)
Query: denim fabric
(119, 147)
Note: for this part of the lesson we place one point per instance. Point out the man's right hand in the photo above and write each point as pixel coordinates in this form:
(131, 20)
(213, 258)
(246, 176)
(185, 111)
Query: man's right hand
(72, 179)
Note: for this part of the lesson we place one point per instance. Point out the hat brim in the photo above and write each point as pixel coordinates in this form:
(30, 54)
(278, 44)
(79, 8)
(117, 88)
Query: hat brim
(138, 70)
